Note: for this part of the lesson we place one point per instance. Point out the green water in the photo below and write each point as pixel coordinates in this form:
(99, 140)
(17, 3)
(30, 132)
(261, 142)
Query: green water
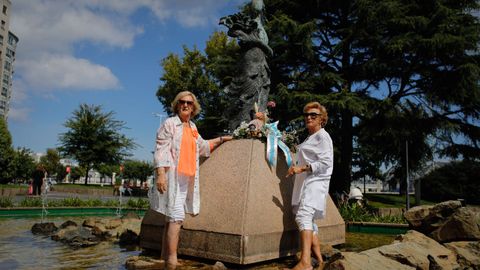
(20, 249)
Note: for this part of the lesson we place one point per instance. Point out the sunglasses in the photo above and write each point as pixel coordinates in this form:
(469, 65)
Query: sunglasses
(188, 102)
(312, 115)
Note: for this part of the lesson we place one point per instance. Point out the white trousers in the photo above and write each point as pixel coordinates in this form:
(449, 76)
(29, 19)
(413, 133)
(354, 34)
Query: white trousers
(304, 219)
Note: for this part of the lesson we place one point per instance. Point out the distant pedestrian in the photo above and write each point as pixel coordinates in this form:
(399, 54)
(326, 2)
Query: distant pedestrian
(38, 177)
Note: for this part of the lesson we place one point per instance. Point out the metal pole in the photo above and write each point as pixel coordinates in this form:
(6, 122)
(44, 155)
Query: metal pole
(408, 180)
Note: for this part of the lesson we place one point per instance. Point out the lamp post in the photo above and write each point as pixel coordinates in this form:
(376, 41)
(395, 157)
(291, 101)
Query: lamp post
(407, 178)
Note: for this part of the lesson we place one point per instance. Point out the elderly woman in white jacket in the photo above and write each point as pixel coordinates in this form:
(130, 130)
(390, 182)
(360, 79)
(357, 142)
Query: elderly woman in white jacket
(312, 178)
(176, 157)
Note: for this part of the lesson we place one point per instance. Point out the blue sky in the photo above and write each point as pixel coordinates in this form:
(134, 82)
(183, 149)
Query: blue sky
(102, 52)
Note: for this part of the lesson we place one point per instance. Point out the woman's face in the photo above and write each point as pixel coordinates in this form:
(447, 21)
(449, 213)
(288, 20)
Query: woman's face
(312, 119)
(185, 107)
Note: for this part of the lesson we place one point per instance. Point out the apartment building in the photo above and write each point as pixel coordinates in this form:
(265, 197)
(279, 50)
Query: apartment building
(8, 45)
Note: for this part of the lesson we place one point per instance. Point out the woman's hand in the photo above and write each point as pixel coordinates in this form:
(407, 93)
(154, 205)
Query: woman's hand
(296, 170)
(161, 180)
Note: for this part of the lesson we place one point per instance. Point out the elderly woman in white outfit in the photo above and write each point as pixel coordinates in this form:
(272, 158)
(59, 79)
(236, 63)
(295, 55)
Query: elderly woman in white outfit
(177, 151)
(312, 178)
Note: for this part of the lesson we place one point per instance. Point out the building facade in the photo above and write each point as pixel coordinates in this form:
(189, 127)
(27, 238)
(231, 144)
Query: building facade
(8, 45)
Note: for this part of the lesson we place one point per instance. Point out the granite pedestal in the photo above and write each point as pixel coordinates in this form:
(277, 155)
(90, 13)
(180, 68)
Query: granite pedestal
(245, 213)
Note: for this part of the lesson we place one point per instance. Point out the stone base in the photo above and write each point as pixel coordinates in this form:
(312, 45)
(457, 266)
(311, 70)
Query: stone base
(245, 214)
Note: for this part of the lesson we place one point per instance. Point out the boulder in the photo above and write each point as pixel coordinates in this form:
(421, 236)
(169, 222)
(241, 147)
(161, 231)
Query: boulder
(427, 218)
(468, 254)
(45, 228)
(412, 250)
(463, 225)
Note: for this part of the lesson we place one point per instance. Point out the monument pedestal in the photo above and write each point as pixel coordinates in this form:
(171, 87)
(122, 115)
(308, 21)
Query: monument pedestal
(245, 211)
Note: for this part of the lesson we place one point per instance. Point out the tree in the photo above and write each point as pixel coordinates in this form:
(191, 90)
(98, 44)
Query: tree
(23, 164)
(205, 76)
(389, 72)
(6, 153)
(108, 170)
(456, 180)
(134, 169)
(93, 138)
(51, 163)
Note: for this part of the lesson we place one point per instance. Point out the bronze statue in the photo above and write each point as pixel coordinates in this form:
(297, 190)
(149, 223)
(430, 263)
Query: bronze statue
(252, 84)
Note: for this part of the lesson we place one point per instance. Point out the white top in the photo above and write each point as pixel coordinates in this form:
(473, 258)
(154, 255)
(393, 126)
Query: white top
(311, 188)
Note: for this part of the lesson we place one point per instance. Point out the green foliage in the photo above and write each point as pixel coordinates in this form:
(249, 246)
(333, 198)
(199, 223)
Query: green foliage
(6, 202)
(93, 138)
(23, 164)
(31, 202)
(352, 212)
(456, 180)
(51, 163)
(138, 203)
(204, 75)
(134, 169)
(7, 154)
(388, 72)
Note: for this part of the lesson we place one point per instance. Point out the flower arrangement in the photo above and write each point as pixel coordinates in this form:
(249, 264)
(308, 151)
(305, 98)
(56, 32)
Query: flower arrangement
(246, 131)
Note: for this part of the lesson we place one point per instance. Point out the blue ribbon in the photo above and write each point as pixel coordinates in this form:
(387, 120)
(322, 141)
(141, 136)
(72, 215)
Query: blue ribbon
(274, 141)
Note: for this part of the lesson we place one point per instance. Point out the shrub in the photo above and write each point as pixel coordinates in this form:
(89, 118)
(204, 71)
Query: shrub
(31, 202)
(6, 202)
(138, 203)
(453, 181)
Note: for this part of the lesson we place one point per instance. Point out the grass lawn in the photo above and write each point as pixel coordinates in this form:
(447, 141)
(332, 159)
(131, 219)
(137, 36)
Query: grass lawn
(67, 186)
(392, 200)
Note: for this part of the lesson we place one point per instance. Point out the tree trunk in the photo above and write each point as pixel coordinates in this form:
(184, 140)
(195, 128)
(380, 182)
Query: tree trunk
(86, 175)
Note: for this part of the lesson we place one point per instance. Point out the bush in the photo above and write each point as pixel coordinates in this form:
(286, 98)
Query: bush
(138, 203)
(6, 202)
(31, 202)
(453, 181)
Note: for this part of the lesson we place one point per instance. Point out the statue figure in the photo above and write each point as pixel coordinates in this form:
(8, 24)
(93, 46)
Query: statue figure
(252, 84)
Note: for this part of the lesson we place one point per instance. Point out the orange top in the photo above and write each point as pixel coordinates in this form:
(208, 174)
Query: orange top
(187, 163)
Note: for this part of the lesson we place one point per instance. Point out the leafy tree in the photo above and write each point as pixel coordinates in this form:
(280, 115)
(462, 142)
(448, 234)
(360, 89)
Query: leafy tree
(23, 164)
(205, 76)
(93, 138)
(389, 72)
(134, 169)
(77, 172)
(456, 180)
(108, 170)
(51, 163)
(6, 153)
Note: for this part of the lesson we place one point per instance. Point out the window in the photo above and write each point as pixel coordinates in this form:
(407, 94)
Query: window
(4, 92)
(10, 53)
(6, 79)
(5, 10)
(11, 40)
(7, 65)
(3, 24)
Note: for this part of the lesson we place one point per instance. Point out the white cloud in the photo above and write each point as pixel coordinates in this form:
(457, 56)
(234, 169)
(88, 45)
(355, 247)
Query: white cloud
(49, 30)
(18, 114)
(66, 72)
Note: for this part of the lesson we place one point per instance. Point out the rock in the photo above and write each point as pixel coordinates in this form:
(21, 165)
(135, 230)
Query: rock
(468, 253)
(219, 266)
(141, 262)
(427, 218)
(463, 225)
(67, 224)
(409, 251)
(46, 228)
(131, 215)
(76, 237)
(129, 237)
